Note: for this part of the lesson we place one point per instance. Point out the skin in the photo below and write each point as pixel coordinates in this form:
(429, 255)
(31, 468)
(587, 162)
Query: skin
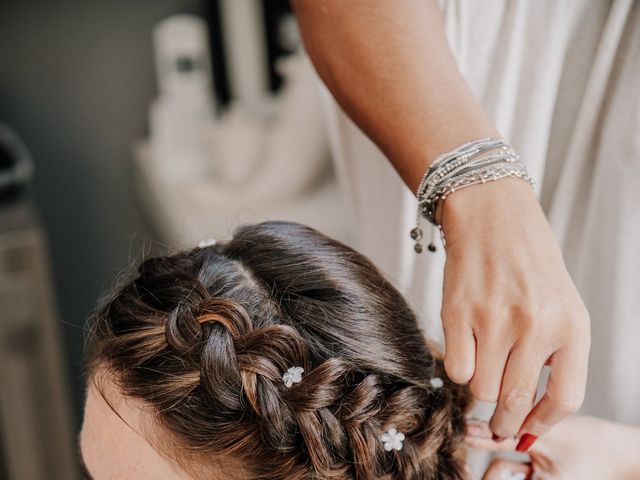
(579, 448)
(111, 449)
(509, 306)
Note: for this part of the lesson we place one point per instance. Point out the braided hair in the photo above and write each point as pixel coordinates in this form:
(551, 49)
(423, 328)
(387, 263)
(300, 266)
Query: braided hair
(204, 336)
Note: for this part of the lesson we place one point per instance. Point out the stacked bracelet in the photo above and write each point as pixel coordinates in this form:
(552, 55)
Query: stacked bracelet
(472, 163)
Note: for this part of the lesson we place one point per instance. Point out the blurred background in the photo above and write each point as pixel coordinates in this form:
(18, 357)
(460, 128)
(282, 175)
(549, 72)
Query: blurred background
(128, 128)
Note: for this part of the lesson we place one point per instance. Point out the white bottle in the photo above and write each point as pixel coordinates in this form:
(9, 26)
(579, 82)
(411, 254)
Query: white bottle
(184, 107)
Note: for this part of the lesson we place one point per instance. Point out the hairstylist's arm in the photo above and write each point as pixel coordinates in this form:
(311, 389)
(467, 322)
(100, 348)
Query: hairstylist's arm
(509, 304)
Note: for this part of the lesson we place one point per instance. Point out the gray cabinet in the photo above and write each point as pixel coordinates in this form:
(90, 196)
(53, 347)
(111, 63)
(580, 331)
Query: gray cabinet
(35, 423)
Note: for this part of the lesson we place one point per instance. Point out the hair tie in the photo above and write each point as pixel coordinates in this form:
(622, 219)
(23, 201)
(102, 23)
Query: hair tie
(392, 439)
(292, 375)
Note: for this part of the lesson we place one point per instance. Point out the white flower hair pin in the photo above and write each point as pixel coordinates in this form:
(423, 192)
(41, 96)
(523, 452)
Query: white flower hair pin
(292, 375)
(507, 474)
(436, 382)
(392, 439)
(208, 242)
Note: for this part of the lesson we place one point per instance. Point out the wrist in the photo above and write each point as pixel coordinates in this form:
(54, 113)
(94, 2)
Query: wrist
(473, 203)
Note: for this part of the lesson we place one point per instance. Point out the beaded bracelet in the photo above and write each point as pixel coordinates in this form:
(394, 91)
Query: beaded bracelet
(474, 162)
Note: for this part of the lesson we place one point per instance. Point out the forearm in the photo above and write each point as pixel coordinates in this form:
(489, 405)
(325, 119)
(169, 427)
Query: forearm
(389, 66)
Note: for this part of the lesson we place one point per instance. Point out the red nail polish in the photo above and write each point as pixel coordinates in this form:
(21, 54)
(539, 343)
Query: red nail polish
(496, 438)
(526, 440)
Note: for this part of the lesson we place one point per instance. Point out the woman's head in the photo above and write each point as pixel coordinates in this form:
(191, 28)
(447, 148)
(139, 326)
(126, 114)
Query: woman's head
(193, 352)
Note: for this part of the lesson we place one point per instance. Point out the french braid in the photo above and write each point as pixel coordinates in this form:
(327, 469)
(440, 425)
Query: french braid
(204, 337)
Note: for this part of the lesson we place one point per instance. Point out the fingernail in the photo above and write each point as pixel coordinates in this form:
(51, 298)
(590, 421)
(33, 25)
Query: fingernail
(526, 440)
(474, 431)
(496, 438)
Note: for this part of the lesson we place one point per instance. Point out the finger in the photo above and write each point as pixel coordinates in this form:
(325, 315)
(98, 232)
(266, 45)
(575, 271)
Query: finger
(518, 391)
(460, 349)
(479, 436)
(564, 393)
(502, 469)
(491, 358)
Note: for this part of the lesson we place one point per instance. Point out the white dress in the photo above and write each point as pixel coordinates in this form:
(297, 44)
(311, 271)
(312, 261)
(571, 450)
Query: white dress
(561, 80)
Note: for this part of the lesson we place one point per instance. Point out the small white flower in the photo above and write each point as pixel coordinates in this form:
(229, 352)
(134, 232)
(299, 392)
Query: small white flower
(293, 375)
(207, 243)
(392, 439)
(507, 474)
(436, 382)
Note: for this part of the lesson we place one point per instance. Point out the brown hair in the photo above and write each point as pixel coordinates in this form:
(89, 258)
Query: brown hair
(204, 336)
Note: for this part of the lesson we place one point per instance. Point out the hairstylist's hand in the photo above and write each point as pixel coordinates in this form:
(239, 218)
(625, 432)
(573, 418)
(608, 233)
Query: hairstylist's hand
(510, 307)
(581, 448)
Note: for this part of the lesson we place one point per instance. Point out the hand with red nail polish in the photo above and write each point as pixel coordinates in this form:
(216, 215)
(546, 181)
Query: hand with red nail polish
(506, 316)
(581, 447)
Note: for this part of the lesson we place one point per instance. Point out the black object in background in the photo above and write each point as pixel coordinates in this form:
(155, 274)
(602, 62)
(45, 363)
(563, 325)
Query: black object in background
(274, 11)
(16, 167)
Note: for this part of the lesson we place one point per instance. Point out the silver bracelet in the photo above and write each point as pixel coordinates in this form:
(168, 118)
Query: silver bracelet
(488, 159)
(481, 160)
(458, 156)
